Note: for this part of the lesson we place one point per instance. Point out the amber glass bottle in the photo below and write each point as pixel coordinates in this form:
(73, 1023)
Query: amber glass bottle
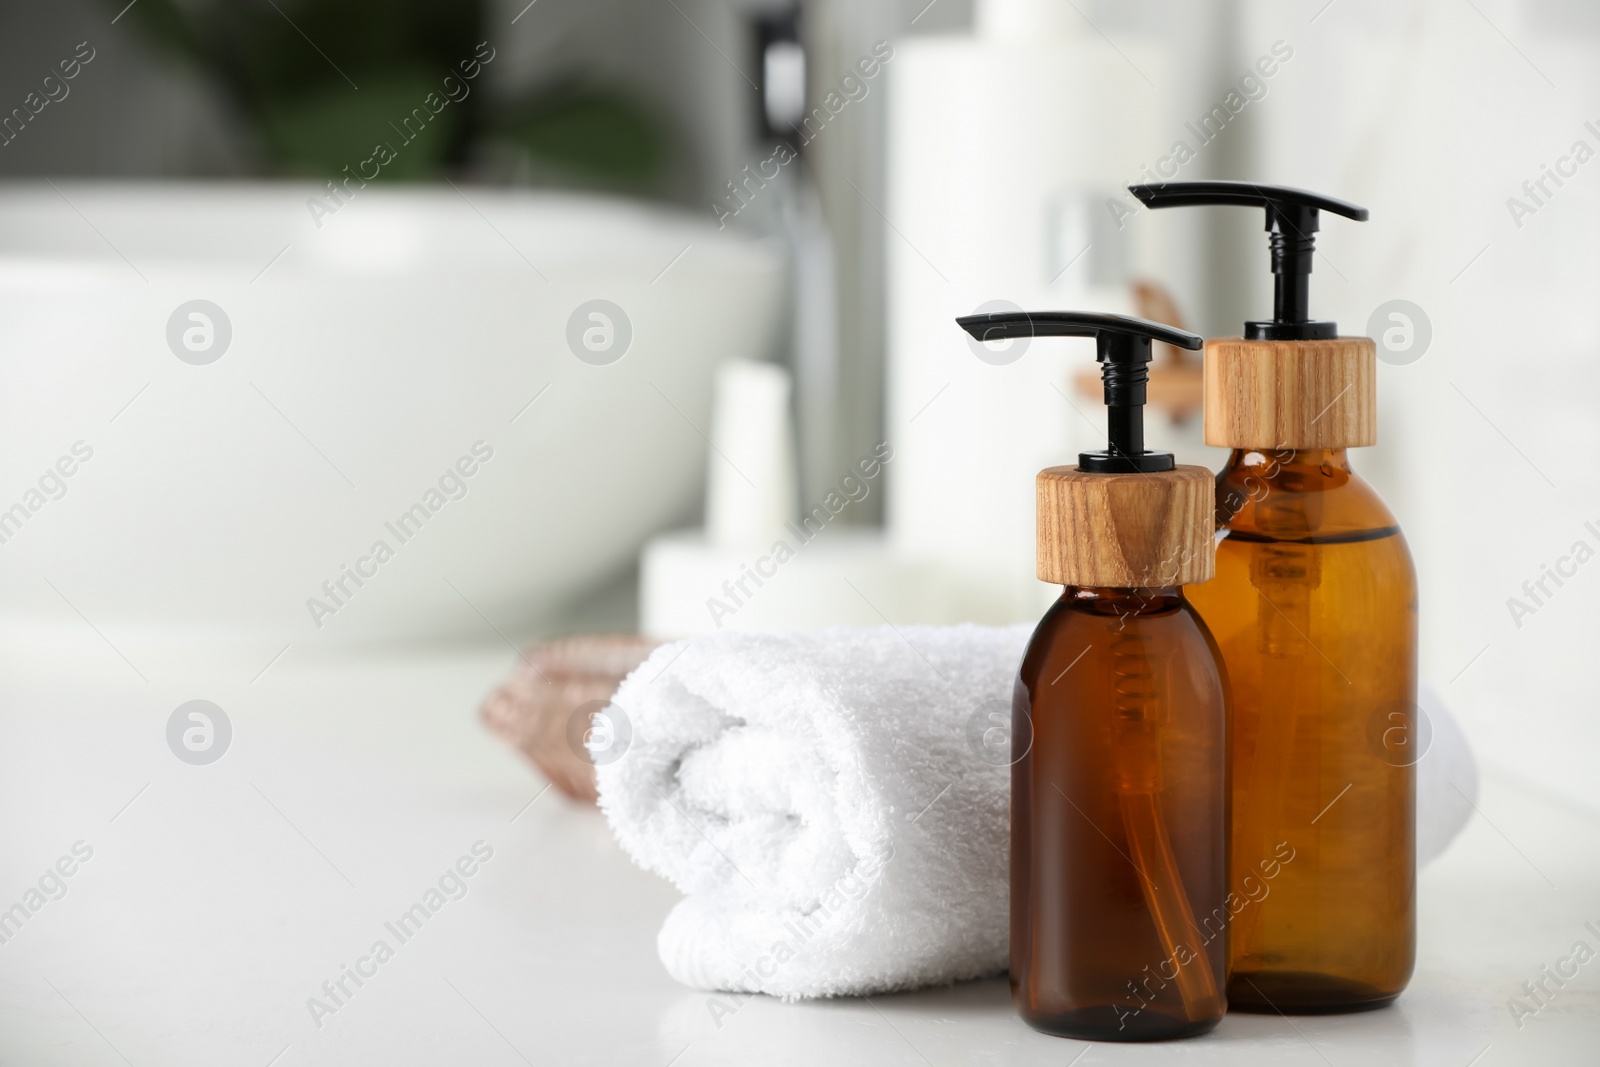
(1119, 820)
(1119, 800)
(1314, 608)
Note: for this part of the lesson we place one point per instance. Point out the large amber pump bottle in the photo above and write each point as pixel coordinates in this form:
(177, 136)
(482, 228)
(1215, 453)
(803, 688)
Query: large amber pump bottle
(1119, 799)
(1315, 608)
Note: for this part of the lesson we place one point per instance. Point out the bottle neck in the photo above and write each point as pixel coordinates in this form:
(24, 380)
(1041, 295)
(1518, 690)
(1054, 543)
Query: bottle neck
(1270, 462)
(1108, 600)
(1269, 488)
(1297, 494)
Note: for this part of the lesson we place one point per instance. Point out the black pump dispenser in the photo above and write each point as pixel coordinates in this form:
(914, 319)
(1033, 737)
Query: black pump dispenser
(1122, 345)
(1292, 220)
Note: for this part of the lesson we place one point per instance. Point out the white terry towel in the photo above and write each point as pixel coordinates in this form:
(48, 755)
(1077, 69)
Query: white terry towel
(831, 804)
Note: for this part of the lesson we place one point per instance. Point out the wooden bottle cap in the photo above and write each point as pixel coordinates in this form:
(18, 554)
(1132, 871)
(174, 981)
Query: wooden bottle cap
(1126, 531)
(1291, 394)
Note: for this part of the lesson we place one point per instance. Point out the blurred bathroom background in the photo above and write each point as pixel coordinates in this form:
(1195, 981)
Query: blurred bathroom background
(641, 289)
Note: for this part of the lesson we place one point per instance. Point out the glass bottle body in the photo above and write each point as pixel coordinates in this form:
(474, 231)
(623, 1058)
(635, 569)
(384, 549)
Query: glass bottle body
(1314, 609)
(1119, 820)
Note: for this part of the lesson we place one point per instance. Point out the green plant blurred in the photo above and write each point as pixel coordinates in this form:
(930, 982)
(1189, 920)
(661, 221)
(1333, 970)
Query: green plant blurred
(321, 81)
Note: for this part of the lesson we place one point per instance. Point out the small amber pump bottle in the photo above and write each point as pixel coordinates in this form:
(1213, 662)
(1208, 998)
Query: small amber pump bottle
(1314, 606)
(1119, 806)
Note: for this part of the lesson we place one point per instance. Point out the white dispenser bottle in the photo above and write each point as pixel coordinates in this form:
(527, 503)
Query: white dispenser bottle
(1008, 150)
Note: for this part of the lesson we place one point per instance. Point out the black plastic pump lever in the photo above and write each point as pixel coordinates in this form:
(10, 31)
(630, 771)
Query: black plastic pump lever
(1292, 220)
(1122, 345)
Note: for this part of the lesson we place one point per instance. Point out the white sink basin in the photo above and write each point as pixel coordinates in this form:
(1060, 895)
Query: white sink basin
(368, 355)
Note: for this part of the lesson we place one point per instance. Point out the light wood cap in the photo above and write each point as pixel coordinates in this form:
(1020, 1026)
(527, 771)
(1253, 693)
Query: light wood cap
(1291, 394)
(1126, 530)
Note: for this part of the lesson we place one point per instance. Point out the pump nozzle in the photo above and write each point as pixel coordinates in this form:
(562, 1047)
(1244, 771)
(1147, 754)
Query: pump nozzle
(1292, 220)
(1122, 345)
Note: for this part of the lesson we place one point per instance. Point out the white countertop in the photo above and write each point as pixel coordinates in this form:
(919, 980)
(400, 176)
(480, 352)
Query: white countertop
(219, 898)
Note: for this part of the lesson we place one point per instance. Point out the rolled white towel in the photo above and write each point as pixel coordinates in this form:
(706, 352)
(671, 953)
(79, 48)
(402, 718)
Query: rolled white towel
(834, 804)
(816, 798)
